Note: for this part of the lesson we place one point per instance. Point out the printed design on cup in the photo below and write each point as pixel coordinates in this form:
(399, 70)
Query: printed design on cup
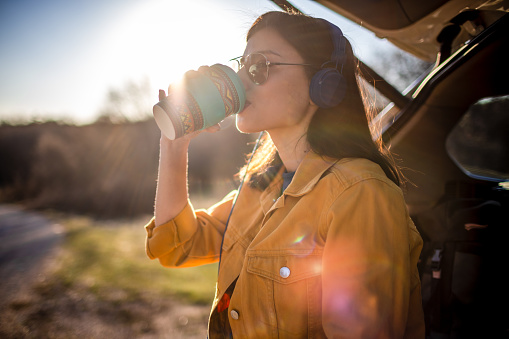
(189, 116)
(202, 99)
(227, 90)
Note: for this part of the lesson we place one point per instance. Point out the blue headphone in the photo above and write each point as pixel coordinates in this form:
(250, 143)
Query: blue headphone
(328, 86)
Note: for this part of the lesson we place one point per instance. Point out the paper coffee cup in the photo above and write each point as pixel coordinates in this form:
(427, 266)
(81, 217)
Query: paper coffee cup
(203, 99)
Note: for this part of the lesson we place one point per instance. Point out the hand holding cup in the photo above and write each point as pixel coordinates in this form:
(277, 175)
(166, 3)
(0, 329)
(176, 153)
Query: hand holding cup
(202, 100)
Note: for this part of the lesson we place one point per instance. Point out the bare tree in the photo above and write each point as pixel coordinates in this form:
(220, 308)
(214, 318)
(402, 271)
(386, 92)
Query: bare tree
(132, 102)
(399, 68)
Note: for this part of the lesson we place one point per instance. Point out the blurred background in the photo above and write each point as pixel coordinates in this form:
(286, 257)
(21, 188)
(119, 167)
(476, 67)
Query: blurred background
(79, 78)
(78, 143)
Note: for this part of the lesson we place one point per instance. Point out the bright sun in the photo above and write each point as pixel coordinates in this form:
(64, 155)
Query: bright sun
(163, 39)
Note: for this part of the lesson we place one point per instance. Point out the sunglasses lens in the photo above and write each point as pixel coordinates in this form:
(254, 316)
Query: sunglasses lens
(257, 68)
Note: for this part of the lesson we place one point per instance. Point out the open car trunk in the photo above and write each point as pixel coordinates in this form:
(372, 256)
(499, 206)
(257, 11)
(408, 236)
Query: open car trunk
(451, 133)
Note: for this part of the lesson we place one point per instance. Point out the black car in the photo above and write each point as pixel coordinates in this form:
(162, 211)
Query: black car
(451, 132)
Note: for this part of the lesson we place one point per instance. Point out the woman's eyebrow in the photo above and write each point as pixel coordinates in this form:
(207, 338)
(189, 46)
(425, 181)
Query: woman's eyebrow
(268, 51)
(265, 51)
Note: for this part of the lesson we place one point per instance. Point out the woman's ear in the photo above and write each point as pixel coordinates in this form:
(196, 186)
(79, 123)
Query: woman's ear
(312, 108)
(312, 104)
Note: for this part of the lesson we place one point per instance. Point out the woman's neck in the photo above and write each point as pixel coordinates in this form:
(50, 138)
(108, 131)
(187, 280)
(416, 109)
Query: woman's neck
(292, 148)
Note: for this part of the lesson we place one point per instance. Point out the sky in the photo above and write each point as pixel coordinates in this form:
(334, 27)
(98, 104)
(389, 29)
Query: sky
(59, 58)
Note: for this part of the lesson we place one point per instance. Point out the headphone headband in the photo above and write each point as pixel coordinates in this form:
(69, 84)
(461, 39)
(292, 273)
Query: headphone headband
(338, 56)
(339, 42)
(328, 86)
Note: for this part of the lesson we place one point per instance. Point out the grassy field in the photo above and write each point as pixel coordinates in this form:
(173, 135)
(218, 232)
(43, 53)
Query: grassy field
(100, 283)
(107, 255)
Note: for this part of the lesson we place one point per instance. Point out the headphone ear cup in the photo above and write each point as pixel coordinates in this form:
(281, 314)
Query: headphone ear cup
(327, 88)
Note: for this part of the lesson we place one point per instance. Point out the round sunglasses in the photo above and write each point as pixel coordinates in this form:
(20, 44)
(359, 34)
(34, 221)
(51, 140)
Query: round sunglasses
(257, 66)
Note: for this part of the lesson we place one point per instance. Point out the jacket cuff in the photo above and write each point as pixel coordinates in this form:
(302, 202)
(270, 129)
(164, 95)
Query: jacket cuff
(166, 237)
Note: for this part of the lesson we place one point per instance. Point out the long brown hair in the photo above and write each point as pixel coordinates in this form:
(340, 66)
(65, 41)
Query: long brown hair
(339, 132)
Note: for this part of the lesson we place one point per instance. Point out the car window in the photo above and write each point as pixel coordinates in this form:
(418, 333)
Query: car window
(479, 143)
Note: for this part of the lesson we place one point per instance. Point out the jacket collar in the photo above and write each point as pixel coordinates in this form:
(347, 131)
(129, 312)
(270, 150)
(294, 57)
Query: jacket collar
(309, 172)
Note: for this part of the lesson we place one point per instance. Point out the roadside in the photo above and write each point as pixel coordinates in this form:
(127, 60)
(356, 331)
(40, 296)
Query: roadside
(53, 286)
(28, 242)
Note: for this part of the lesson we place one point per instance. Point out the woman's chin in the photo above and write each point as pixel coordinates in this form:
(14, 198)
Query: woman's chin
(242, 128)
(242, 125)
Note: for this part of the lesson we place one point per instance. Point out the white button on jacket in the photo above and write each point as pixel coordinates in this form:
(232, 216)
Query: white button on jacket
(284, 272)
(234, 314)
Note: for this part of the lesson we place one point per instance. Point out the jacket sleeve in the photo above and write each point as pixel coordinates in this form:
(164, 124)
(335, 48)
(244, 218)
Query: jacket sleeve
(192, 238)
(367, 263)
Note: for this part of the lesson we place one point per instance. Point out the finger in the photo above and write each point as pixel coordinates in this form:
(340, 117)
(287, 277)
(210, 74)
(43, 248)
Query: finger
(162, 95)
(212, 129)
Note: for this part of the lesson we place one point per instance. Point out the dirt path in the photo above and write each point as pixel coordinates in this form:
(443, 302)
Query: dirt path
(27, 243)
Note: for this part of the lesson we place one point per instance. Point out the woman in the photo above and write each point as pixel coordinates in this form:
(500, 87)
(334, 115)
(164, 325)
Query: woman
(319, 243)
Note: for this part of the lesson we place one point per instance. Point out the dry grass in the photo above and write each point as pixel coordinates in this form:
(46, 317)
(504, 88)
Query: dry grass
(106, 170)
(110, 255)
(103, 285)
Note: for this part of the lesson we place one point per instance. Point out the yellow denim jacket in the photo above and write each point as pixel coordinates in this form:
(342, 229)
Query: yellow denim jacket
(334, 256)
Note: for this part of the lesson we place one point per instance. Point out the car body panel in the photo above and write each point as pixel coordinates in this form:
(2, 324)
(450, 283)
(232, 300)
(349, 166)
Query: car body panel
(413, 30)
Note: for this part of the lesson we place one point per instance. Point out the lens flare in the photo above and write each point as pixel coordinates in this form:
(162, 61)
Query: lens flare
(298, 240)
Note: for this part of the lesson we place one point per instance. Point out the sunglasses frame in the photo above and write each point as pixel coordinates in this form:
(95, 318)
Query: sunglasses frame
(268, 63)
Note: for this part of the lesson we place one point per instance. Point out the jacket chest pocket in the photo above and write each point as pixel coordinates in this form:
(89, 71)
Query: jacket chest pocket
(293, 282)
